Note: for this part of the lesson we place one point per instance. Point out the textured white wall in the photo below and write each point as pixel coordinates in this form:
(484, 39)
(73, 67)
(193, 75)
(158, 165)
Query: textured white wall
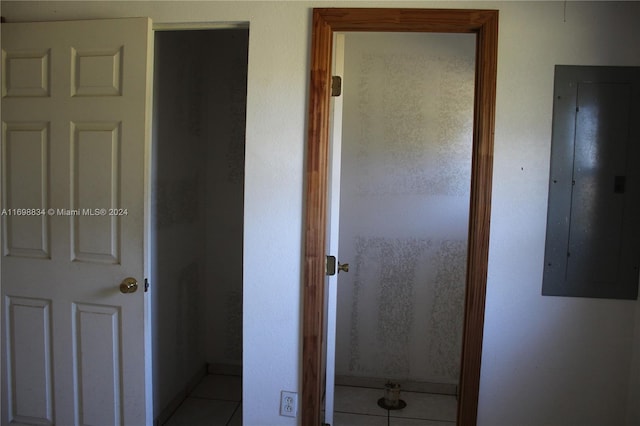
(546, 360)
(404, 208)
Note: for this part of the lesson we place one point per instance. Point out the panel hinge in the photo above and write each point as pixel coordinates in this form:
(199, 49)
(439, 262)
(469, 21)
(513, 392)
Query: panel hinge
(146, 285)
(330, 265)
(336, 85)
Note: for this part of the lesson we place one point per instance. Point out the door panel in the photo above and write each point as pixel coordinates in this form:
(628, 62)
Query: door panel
(25, 155)
(95, 171)
(96, 339)
(75, 120)
(30, 355)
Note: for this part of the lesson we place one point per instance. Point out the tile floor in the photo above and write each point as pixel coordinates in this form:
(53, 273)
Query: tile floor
(215, 401)
(358, 406)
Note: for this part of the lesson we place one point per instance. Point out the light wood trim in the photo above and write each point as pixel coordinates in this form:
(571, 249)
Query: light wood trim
(484, 23)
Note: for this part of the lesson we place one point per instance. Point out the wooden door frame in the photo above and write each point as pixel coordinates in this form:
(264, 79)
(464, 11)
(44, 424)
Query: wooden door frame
(484, 23)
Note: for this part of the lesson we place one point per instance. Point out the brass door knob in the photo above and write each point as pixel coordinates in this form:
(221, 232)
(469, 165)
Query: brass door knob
(343, 267)
(128, 285)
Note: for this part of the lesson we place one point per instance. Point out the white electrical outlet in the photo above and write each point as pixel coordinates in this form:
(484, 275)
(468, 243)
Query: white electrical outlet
(288, 404)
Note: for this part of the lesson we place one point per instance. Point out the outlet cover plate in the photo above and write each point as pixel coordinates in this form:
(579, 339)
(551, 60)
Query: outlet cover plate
(288, 404)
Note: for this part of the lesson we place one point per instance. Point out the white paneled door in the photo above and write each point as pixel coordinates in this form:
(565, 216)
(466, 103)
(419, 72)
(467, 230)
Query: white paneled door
(75, 138)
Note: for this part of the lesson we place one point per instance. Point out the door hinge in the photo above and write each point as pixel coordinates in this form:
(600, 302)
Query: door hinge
(146, 285)
(336, 85)
(330, 268)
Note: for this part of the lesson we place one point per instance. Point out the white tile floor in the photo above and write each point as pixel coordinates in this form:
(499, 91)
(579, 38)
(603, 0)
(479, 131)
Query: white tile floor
(358, 406)
(216, 401)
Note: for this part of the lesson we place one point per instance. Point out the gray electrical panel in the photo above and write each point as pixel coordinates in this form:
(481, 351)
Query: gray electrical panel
(593, 219)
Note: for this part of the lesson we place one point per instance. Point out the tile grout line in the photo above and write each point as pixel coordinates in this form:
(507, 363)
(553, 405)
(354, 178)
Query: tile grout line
(356, 408)
(190, 395)
(234, 413)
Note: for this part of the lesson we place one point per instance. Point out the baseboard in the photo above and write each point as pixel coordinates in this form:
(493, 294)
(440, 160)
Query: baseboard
(406, 385)
(225, 369)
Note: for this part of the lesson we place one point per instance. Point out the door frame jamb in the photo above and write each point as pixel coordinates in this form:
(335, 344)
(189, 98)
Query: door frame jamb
(484, 23)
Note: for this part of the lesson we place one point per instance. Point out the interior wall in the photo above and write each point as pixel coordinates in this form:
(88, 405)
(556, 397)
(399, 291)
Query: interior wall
(404, 204)
(178, 214)
(559, 360)
(200, 102)
(224, 55)
(546, 360)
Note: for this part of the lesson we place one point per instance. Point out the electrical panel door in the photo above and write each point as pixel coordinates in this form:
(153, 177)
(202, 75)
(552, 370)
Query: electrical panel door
(593, 222)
